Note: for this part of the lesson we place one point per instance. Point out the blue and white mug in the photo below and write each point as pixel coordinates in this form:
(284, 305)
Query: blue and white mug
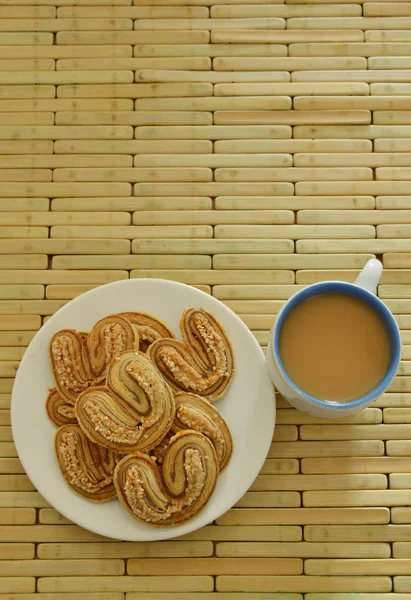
(364, 289)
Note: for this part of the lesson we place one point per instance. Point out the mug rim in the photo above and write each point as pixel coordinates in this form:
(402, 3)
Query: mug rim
(371, 300)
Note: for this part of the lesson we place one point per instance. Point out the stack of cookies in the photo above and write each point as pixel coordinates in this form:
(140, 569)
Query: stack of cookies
(133, 407)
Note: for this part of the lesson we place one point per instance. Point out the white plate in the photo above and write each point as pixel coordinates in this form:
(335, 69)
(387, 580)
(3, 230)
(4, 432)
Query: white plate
(248, 407)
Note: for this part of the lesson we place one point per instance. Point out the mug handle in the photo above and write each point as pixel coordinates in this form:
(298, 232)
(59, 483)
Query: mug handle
(370, 275)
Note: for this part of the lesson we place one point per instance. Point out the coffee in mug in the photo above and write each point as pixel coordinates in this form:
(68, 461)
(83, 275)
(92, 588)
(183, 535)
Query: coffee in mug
(334, 347)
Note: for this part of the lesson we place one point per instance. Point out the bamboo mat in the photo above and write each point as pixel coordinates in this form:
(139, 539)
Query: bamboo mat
(247, 147)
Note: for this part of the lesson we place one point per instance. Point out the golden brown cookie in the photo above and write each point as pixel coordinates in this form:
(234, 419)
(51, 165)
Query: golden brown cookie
(203, 363)
(133, 411)
(194, 412)
(87, 467)
(108, 338)
(149, 328)
(69, 362)
(175, 492)
(59, 411)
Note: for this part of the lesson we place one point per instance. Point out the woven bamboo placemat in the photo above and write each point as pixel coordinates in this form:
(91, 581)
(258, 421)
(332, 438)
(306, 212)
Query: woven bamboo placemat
(247, 147)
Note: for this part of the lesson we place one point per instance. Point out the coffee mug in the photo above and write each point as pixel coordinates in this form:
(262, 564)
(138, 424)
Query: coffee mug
(363, 289)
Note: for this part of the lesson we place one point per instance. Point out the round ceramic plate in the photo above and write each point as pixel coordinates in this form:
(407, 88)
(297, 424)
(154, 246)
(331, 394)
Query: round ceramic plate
(248, 407)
